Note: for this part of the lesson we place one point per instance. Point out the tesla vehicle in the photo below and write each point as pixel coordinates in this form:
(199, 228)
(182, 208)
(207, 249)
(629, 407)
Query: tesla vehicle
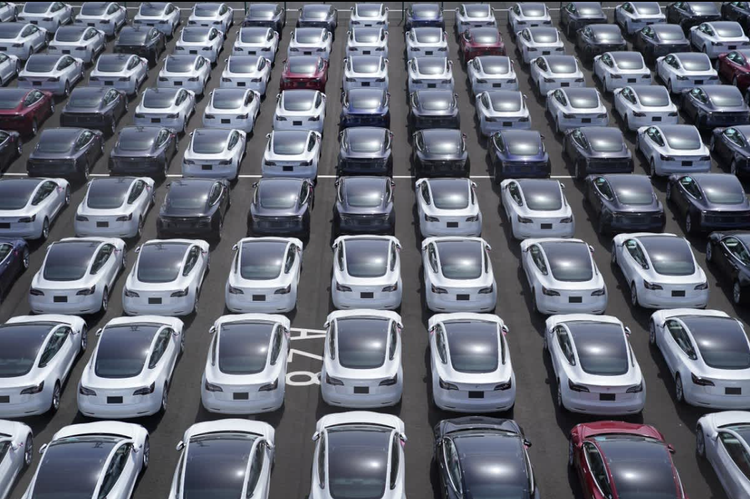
(658, 40)
(108, 17)
(8, 12)
(597, 149)
(195, 40)
(731, 146)
(480, 41)
(440, 152)
(313, 15)
(144, 41)
(185, 71)
(10, 67)
(52, 73)
(292, 153)
(718, 37)
(218, 15)
(537, 208)
(365, 107)
(556, 71)
(518, 153)
(577, 15)
(643, 105)
(232, 109)
(14, 260)
(95, 107)
(311, 41)
(448, 207)
(736, 11)
(18, 453)
(246, 71)
(632, 16)
(619, 69)
(165, 107)
(684, 70)
(597, 39)
(143, 149)
(11, 147)
(430, 73)
(194, 207)
(710, 106)
(164, 16)
(364, 204)
(433, 109)
(125, 72)
(673, 149)
(689, 14)
(424, 15)
(47, 15)
(533, 42)
(365, 150)
(528, 15)
(473, 15)
(709, 201)
(28, 206)
(66, 152)
(265, 15)
(735, 68)
(281, 206)
(368, 15)
(576, 107)
(257, 41)
(721, 438)
(300, 110)
(22, 39)
(114, 207)
(624, 202)
(491, 72)
(304, 71)
(426, 42)
(85, 42)
(365, 71)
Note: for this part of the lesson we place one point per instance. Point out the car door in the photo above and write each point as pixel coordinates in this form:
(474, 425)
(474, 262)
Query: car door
(258, 475)
(48, 205)
(733, 460)
(164, 355)
(104, 265)
(58, 353)
(600, 191)
(138, 197)
(122, 470)
(633, 258)
(687, 189)
(292, 264)
(679, 348)
(596, 476)
(535, 264)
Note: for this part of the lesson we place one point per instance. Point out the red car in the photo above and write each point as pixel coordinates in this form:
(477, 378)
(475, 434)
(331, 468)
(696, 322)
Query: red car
(734, 66)
(481, 41)
(615, 460)
(304, 71)
(24, 110)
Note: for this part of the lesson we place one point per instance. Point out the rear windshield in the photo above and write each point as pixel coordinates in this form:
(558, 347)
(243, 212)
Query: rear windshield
(10, 100)
(10, 31)
(628, 194)
(180, 65)
(261, 261)
(253, 35)
(19, 347)
(366, 258)
(304, 66)
(543, 195)
(243, 347)
(69, 261)
(569, 262)
(696, 63)
(36, 7)
(123, 349)
(686, 140)
(449, 195)
(601, 348)
(629, 62)
(721, 341)
(153, 99)
(730, 30)
(194, 35)
(656, 98)
(106, 194)
(209, 143)
(362, 342)
(298, 102)
(473, 346)
(41, 64)
(55, 142)
(727, 99)
(669, 255)
(134, 139)
(278, 197)
(228, 100)
(243, 64)
(461, 259)
(111, 64)
(725, 193)
(160, 262)
(68, 35)
(85, 99)
(563, 66)
(15, 195)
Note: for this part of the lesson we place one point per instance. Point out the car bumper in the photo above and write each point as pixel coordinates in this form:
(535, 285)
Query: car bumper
(443, 168)
(56, 88)
(108, 28)
(203, 231)
(195, 86)
(279, 227)
(165, 27)
(269, 402)
(648, 223)
(545, 86)
(228, 172)
(257, 86)
(122, 230)
(244, 303)
(126, 86)
(669, 167)
(534, 230)
(288, 124)
(678, 86)
(345, 300)
(386, 396)
(31, 230)
(437, 85)
(490, 127)
(135, 166)
(176, 125)
(664, 300)
(370, 167)
(63, 169)
(551, 305)
(537, 169)
(698, 396)
(449, 303)
(304, 85)
(423, 122)
(77, 305)
(246, 125)
(146, 405)
(478, 88)
(268, 54)
(309, 172)
(172, 307)
(438, 229)
(366, 226)
(585, 403)
(635, 122)
(27, 405)
(459, 401)
(568, 123)
(726, 120)
(724, 222)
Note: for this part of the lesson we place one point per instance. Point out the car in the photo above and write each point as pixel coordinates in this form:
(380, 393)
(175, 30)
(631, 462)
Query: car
(518, 153)
(100, 108)
(658, 40)
(733, 66)
(10, 67)
(194, 207)
(426, 73)
(66, 152)
(292, 153)
(77, 276)
(682, 71)
(358, 452)
(502, 109)
(281, 206)
(302, 71)
(14, 260)
(164, 16)
(46, 15)
(300, 110)
(638, 460)
(633, 16)
(362, 359)
(480, 41)
(597, 39)
(245, 370)
(257, 41)
(28, 206)
(365, 71)
(440, 152)
(246, 72)
(709, 201)
(473, 15)
(642, 105)
(85, 42)
(525, 15)
(364, 205)
(550, 72)
(108, 17)
(22, 39)
(597, 149)
(185, 71)
(368, 15)
(537, 208)
(233, 109)
(365, 151)
(265, 15)
(51, 73)
(709, 106)
(448, 207)
(265, 275)
(619, 69)
(727, 252)
(366, 273)
(11, 147)
(672, 149)
(144, 41)
(433, 109)
(572, 108)
(217, 15)
(689, 14)
(114, 207)
(624, 202)
(143, 150)
(194, 40)
(8, 12)
(131, 368)
(311, 41)
(577, 15)
(491, 72)
(560, 273)
(214, 153)
(422, 15)
(363, 107)
(718, 37)
(18, 440)
(170, 108)
(313, 15)
(125, 72)
(367, 41)
(730, 146)
(426, 41)
(543, 40)
(721, 439)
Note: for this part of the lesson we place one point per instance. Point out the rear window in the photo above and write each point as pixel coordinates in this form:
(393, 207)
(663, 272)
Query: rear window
(41, 64)
(154, 99)
(243, 347)
(307, 36)
(685, 140)
(134, 139)
(523, 147)
(565, 66)
(610, 142)
(55, 142)
(431, 67)
(298, 102)
(19, 347)
(368, 196)
(10, 31)
(231, 99)
(14, 195)
(289, 144)
(461, 259)
(569, 262)
(36, 7)
(358, 461)
(721, 341)
(366, 258)
(362, 342)
(160, 262)
(194, 35)
(542, 195)
(243, 64)
(629, 62)
(209, 143)
(85, 99)
(107, 194)
(656, 98)
(725, 193)
(496, 66)
(149, 9)
(122, 350)
(727, 99)
(180, 65)
(449, 195)
(696, 63)
(635, 195)
(587, 100)
(68, 35)
(111, 64)
(253, 35)
(473, 346)
(730, 30)
(303, 66)
(601, 348)
(69, 261)
(261, 261)
(669, 255)
(93, 8)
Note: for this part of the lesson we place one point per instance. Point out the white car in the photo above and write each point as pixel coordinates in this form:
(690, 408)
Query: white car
(430, 73)
(257, 41)
(311, 41)
(458, 274)
(491, 72)
(114, 207)
(264, 276)
(185, 71)
(501, 109)
(621, 68)
(576, 107)
(643, 105)
(368, 15)
(77, 276)
(21, 39)
(292, 153)
(534, 42)
(556, 71)
(47, 15)
(537, 208)
(8, 12)
(722, 439)
(596, 371)
(632, 16)
(448, 207)
(365, 71)
(108, 17)
(130, 370)
(367, 41)
(208, 42)
(660, 270)
(474, 15)
(167, 107)
(232, 108)
(218, 15)
(111, 454)
(528, 15)
(362, 359)
(246, 71)
(84, 43)
(672, 149)
(718, 37)
(125, 72)
(682, 71)
(164, 16)
(214, 153)
(426, 41)
(28, 206)
(708, 356)
(563, 277)
(300, 110)
(166, 278)
(470, 363)
(38, 352)
(366, 272)
(56, 74)
(17, 442)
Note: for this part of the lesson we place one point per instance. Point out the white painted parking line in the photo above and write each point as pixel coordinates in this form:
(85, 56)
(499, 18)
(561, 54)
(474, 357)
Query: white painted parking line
(246, 176)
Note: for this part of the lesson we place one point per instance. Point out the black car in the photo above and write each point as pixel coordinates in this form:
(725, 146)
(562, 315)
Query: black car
(266, 15)
(365, 107)
(14, 259)
(596, 39)
(736, 11)
(689, 14)
(66, 153)
(364, 205)
(365, 151)
(440, 152)
(422, 15)
(728, 253)
(318, 15)
(709, 201)
(477, 456)
(731, 146)
(597, 149)
(194, 207)
(144, 41)
(518, 154)
(710, 106)
(143, 149)
(95, 107)
(624, 203)
(11, 147)
(281, 206)
(576, 15)
(661, 39)
(433, 109)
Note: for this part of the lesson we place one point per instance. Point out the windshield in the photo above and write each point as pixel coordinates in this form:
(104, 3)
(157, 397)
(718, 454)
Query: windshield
(302, 66)
(15, 194)
(210, 141)
(180, 64)
(158, 99)
(279, 196)
(85, 99)
(727, 192)
(687, 139)
(69, 260)
(634, 194)
(114, 64)
(36, 7)
(55, 141)
(289, 143)
(721, 341)
(362, 342)
(262, 260)
(162, 262)
(19, 346)
(542, 195)
(199, 35)
(216, 465)
(69, 34)
(656, 97)
(123, 349)
(41, 63)
(494, 463)
(136, 139)
(243, 347)
(228, 99)
(449, 194)
(698, 63)
(298, 100)
(368, 194)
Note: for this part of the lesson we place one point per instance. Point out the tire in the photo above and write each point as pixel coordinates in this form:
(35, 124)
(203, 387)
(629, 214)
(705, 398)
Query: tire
(25, 259)
(146, 455)
(164, 399)
(113, 127)
(86, 172)
(559, 400)
(67, 196)
(19, 147)
(689, 229)
(652, 168)
(613, 256)
(679, 390)
(709, 252)
(669, 86)
(28, 451)
(700, 443)
(45, 229)
(105, 301)
(35, 125)
(633, 294)
(652, 333)
(733, 167)
(84, 339)
(570, 454)
(737, 293)
(56, 394)
(626, 123)
(67, 89)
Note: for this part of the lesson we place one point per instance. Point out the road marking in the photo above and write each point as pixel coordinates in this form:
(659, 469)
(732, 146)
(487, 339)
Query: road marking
(246, 176)
(304, 378)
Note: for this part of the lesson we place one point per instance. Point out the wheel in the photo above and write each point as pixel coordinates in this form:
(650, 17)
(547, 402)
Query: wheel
(19, 147)
(66, 201)
(669, 86)
(679, 392)
(45, 229)
(25, 259)
(733, 167)
(112, 127)
(84, 339)
(182, 342)
(652, 333)
(651, 168)
(105, 301)
(560, 403)
(700, 442)
(633, 294)
(67, 89)
(164, 398)
(146, 455)
(139, 232)
(570, 453)
(55, 403)
(626, 123)
(534, 307)
(28, 451)
(579, 172)
(613, 256)
(35, 125)
(689, 224)
(736, 293)
(709, 252)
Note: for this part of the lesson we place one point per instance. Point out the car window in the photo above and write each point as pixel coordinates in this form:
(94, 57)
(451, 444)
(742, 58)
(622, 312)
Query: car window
(515, 193)
(425, 190)
(162, 137)
(395, 460)
(737, 249)
(55, 343)
(136, 191)
(393, 340)
(43, 192)
(311, 143)
(394, 256)
(499, 142)
(627, 94)
(110, 96)
(736, 452)
(563, 339)
(192, 259)
(276, 346)
(215, 194)
(322, 461)
(340, 257)
(733, 135)
(115, 469)
(101, 258)
(681, 338)
(538, 259)
(89, 34)
(655, 135)
(113, 8)
(452, 463)
(632, 246)
(691, 187)
(603, 187)
(432, 257)
(598, 469)
(256, 467)
(133, 63)
(83, 139)
(440, 344)
(162, 342)
(291, 256)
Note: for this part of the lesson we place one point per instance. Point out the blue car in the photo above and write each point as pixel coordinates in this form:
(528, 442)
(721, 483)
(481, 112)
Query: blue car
(518, 154)
(14, 259)
(365, 107)
(424, 14)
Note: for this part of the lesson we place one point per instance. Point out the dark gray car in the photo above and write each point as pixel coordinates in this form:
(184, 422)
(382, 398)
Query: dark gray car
(364, 205)
(597, 149)
(599, 38)
(366, 151)
(440, 152)
(266, 15)
(194, 207)
(433, 109)
(318, 15)
(66, 152)
(143, 149)
(95, 107)
(281, 206)
(709, 201)
(575, 15)
(660, 39)
(624, 203)
(709, 106)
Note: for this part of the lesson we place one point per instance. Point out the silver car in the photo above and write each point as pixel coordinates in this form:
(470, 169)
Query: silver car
(167, 107)
(367, 41)
(83, 42)
(208, 42)
(246, 71)
(426, 42)
(491, 72)
(21, 39)
(185, 71)
(115, 207)
(28, 206)
(47, 15)
(534, 42)
(502, 109)
(448, 207)
(124, 72)
(108, 17)
(53, 73)
(257, 41)
(214, 153)
(300, 110)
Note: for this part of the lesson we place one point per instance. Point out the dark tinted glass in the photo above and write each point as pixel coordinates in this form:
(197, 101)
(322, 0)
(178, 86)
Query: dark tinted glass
(362, 141)
(56, 141)
(476, 10)
(15, 194)
(206, 9)
(542, 195)
(601, 347)
(69, 33)
(364, 64)
(10, 98)
(279, 195)
(721, 341)
(647, 8)
(436, 100)
(86, 98)
(495, 65)
(261, 11)
(157, 98)
(607, 33)
(506, 101)
(628, 60)
(704, 8)
(261, 260)
(357, 461)
(312, 11)
(362, 342)
(94, 8)
(123, 349)
(188, 195)
(442, 141)
(364, 194)
(429, 35)
(253, 35)
(460, 259)
(160, 262)
(366, 257)
(194, 35)
(137, 139)
(657, 96)
(569, 261)
(532, 9)
(298, 100)
(132, 36)
(669, 255)
(41, 63)
(562, 65)
(368, 10)
(152, 8)
(302, 65)
(684, 139)
(544, 35)
(526, 145)
(634, 192)
(726, 97)
(449, 194)
(432, 66)
(697, 62)
(310, 35)
(228, 98)
(210, 141)
(721, 189)
(289, 143)
(243, 347)
(216, 464)
(365, 99)
(37, 7)
(68, 261)
(112, 63)
(180, 64)
(19, 346)
(108, 193)
(473, 346)
(485, 36)
(607, 140)
(493, 465)
(10, 30)
(583, 99)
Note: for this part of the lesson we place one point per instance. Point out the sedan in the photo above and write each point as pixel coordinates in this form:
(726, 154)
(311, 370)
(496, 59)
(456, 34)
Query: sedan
(728, 252)
(14, 260)
(95, 107)
(85, 42)
(368, 15)
(313, 15)
(292, 153)
(143, 41)
(281, 206)
(11, 147)
(365, 107)
(364, 205)
(114, 207)
(10, 67)
(365, 71)
(233, 109)
(715, 105)
(732, 145)
(165, 107)
(689, 14)
(208, 42)
(125, 72)
(491, 72)
(300, 110)
(218, 15)
(366, 272)
(458, 274)
(77, 276)
(311, 41)
(480, 41)
(576, 15)
(426, 42)
(721, 438)
(718, 37)
(22, 39)
(735, 68)
(143, 149)
(66, 152)
(362, 359)
(257, 41)
(709, 201)
(264, 276)
(533, 42)
(619, 69)
(108, 17)
(38, 354)
(424, 15)
(473, 15)
(448, 207)
(560, 274)
(518, 153)
(46, 15)
(164, 16)
(672, 149)
(440, 152)
(624, 202)
(556, 71)
(430, 73)
(528, 15)
(658, 40)
(265, 15)
(597, 149)
(572, 108)
(736, 11)
(597, 39)
(365, 151)
(185, 71)
(18, 453)
(642, 105)
(633, 16)
(130, 370)
(537, 208)
(194, 207)
(302, 71)
(28, 206)
(684, 70)
(8, 12)
(246, 370)
(51, 73)
(433, 109)
(246, 72)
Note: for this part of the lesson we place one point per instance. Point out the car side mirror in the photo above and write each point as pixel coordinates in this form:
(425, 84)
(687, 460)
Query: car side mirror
(591, 249)
(628, 331)
(526, 443)
(268, 135)
(402, 437)
(212, 330)
(670, 447)
(180, 445)
(43, 448)
(316, 436)
(505, 329)
(99, 332)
